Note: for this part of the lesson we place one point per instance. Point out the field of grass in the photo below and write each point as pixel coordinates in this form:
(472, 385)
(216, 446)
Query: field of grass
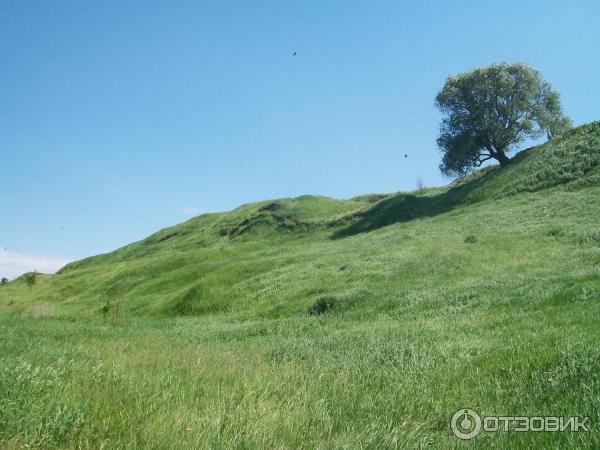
(320, 323)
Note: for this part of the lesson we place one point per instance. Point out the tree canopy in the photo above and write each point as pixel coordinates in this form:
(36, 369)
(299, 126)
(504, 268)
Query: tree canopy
(488, 110)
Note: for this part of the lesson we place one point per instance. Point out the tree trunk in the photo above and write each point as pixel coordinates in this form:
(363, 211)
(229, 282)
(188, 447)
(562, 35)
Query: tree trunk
(502, 158)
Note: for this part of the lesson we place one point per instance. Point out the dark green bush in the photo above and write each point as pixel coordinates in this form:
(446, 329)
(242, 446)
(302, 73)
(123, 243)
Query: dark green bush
(321, 306)
(30, 278)
(105, 309)
(471, 239)
(555, 232)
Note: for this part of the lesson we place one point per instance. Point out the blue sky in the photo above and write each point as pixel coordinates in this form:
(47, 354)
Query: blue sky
(120, 118)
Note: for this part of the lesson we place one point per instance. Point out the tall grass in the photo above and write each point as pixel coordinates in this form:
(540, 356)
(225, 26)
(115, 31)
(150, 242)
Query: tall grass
(280, 339)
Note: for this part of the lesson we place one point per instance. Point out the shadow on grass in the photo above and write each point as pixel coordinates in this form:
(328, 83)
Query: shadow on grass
(407, 207)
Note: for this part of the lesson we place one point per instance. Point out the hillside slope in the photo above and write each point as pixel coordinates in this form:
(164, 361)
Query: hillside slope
(208, 260)
(315, 323)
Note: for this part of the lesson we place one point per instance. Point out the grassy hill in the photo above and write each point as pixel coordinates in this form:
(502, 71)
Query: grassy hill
(320, 323)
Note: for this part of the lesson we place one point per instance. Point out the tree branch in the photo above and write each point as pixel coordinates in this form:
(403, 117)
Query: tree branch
(481, 161)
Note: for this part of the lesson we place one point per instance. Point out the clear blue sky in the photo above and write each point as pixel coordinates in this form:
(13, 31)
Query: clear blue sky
(120, 118)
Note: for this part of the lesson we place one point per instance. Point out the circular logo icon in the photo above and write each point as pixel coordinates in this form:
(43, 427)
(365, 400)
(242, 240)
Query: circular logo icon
(465, 424)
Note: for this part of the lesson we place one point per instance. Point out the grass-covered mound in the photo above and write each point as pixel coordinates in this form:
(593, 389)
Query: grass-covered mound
(319, 323)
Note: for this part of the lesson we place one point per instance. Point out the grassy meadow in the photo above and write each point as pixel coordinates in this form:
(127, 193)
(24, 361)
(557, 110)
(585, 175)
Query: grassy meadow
(314, 323)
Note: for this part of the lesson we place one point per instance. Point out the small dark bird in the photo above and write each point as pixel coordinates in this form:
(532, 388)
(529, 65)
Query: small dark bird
(294, 54)
(405, 155)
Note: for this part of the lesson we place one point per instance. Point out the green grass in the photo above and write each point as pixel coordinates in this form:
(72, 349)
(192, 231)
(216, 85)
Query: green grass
(484, 294)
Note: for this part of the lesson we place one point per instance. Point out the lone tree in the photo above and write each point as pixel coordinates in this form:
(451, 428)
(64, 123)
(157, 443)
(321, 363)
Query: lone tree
(490, 109)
